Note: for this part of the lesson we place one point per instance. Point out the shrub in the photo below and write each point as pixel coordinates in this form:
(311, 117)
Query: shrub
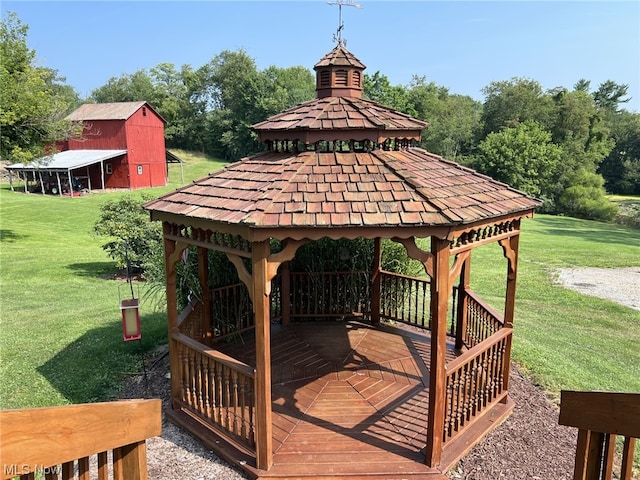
(132, 235)
(585, 197)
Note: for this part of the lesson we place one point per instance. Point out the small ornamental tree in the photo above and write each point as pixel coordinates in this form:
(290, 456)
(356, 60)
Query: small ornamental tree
(132, 236)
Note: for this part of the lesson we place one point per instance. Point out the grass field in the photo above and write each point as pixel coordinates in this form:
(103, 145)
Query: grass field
(60, 334)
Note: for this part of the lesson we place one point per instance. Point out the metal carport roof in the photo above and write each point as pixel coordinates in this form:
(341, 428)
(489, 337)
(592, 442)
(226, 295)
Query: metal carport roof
(67, 160)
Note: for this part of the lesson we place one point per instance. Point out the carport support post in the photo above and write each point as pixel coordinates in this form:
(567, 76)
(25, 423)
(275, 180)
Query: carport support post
(262, 318)
(440, 290)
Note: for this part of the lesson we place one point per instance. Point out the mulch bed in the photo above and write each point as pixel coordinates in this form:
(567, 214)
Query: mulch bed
(528, 445)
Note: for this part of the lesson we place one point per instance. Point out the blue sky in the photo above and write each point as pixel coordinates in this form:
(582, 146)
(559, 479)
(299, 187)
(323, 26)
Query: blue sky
(460, 45)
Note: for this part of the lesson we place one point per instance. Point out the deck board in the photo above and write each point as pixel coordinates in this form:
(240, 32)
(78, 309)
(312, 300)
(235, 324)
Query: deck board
(349, 400)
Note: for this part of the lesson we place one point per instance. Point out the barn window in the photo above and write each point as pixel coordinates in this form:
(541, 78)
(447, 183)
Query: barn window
(109, 168)
(139, 169)
(144, 111)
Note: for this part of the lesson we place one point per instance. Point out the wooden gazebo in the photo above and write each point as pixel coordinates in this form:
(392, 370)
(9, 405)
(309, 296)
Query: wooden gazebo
(396, 377)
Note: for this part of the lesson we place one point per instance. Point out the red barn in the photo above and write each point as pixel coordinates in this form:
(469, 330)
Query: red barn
(121, 146)
(132, 126)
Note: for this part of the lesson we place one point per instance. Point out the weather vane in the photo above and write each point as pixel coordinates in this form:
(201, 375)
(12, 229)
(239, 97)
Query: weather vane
(337, 37)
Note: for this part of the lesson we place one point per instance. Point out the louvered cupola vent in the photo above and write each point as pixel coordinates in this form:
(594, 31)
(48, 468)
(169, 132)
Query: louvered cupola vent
(339, 74)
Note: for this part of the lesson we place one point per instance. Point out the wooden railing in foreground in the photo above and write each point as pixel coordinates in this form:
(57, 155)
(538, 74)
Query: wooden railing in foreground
(475, 381)
(61, 440)
(600, 416)
(217, 389)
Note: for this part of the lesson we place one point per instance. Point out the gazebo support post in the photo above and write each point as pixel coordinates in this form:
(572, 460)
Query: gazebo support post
(510, 248)
(285, 294)
(376, 282)
(170, 261)
(261, 291)
(440, 290)
(203, 277)
(463, 302)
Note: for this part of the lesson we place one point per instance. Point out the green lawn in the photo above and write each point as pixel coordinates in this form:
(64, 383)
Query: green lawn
(60, 334)
(563, 339)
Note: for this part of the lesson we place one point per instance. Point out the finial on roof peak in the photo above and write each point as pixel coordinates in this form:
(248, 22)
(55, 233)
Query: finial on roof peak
(337, 37)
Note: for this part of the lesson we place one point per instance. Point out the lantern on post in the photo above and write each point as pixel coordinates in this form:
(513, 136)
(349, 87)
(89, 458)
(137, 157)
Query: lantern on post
(130, 319)
(129, 308)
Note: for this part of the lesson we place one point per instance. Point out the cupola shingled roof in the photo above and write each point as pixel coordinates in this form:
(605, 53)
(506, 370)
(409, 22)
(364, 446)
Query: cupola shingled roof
(342, 161)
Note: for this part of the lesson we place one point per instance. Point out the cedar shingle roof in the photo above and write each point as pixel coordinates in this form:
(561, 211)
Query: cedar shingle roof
(319, 188)
(340, 56)
(328, 189)
(339, 113)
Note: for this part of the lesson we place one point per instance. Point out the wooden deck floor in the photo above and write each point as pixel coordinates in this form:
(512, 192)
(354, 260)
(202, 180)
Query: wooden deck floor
(349, 400)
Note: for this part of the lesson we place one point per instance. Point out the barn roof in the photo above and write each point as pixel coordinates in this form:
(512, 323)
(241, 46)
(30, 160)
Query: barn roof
(108, 111)
(68, 160)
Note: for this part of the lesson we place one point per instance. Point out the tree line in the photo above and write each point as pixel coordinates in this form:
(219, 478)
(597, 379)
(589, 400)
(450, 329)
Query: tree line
(567, 146)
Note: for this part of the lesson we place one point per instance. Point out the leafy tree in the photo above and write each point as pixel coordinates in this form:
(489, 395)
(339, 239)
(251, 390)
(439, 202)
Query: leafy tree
(609, 95)
(287, 87)
(509, 103)
(378, 88)
(453, 119)
(133, 87)
(621, 168)
(578, 127)
(33, 100)
(131, 235)
(582, 85)
(523, 157)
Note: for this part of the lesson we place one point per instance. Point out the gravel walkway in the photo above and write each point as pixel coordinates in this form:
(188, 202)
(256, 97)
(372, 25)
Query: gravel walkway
(621, 285)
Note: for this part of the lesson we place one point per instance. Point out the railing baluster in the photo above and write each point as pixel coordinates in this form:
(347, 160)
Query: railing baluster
(103, 466)
(83, 468)
(475, 380)
(67, 470)
(237, 427)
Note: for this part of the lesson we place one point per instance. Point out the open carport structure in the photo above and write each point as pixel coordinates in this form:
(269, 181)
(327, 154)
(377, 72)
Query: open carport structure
(65, 172)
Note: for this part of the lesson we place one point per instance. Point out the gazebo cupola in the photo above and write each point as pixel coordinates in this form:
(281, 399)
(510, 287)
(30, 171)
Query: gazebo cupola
(339, 119)
(339, 74)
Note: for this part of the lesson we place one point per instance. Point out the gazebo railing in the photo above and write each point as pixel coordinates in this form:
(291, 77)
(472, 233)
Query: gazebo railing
(405, 299)
(330, 294)
(480, 322)
(475, 382)
(231, 311)
(600, 417)
(216, 389)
